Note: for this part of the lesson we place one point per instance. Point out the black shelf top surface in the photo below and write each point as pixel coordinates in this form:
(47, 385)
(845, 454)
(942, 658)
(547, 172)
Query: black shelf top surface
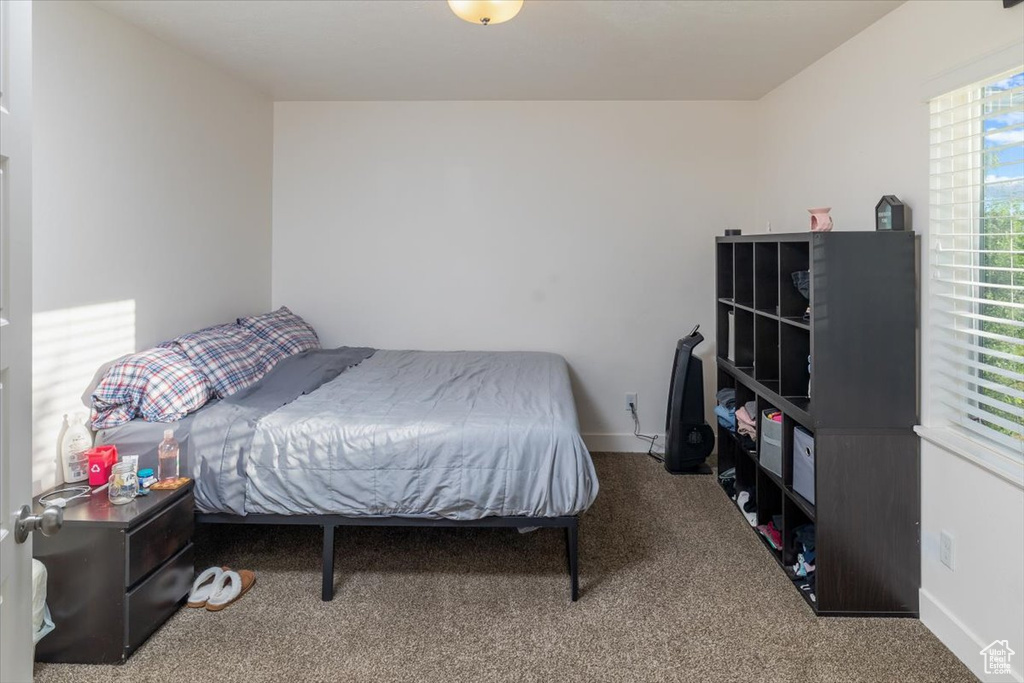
(808, 236)
(797, 407)
(97, 510)
(767, 237)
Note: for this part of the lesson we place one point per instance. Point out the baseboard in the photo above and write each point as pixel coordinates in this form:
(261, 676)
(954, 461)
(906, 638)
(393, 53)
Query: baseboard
(960, 640)
(618, 443)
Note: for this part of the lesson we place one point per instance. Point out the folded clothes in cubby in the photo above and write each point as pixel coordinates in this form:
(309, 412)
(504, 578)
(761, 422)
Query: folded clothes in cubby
(726, 408)
(772, 534)
(726, 417)
(726, 398)
(803, 539)
(745, 424)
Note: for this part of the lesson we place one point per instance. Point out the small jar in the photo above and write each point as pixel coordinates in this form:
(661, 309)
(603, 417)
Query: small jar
(146, 478)
(124, 484)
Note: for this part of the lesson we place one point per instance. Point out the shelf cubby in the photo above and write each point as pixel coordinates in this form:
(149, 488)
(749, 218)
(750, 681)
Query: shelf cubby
(766, 277)
(769, 504)
(793, 257)
(795, 351)
(766, 349)
(795, 517)
(723, 336)
(746, 471)
(725, 272)
(727, 451)
(743, 274)
(744, 395)
(861, 408)
(805, 506)
(744, 345)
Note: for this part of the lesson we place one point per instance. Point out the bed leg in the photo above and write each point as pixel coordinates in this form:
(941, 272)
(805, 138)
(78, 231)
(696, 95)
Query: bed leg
(572, 550)
(328, 564)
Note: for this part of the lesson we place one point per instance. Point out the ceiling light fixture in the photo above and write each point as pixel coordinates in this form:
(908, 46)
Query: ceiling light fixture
(486, 12)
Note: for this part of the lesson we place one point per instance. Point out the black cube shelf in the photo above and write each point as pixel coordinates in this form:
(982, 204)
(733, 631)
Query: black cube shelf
(842, 365)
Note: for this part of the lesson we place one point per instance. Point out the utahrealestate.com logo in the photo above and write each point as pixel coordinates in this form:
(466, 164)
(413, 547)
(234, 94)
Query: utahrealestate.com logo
(997, 657)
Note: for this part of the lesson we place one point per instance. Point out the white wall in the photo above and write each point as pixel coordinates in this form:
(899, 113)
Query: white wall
(847, 130)
(152, 184)
(581, 228)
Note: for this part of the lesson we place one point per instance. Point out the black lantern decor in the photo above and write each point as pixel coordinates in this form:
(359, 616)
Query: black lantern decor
(891, 214)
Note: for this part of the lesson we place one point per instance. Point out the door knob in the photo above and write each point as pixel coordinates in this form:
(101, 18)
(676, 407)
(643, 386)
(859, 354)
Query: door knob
(48, 523)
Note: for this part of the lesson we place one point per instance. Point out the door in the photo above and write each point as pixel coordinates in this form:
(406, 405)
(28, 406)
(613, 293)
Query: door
(15, 336)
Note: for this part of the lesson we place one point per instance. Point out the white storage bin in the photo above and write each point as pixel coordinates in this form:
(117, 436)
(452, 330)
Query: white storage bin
(803, 463)
(770, 453)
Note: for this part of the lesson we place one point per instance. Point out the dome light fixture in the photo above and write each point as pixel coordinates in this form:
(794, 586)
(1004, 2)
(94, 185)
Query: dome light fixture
(485, 12)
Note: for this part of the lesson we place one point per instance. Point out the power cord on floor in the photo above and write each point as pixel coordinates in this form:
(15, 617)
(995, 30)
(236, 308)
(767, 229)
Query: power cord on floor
(644, 437)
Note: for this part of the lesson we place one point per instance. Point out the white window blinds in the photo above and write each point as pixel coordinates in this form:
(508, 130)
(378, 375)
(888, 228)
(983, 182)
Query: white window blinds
(976, 300)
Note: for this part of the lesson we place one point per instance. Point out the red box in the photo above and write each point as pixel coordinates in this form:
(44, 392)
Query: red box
(101, 459)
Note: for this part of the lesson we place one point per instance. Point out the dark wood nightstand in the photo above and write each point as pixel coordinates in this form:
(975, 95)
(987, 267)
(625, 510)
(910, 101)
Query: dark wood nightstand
(115, 574)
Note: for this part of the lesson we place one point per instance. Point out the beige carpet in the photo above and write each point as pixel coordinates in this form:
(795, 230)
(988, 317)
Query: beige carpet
(675, 587)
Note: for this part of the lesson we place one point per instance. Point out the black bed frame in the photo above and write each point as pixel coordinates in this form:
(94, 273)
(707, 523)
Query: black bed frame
(328, 522)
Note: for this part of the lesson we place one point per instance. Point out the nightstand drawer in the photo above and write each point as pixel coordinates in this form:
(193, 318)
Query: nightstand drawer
(157, 540)
(158, 597)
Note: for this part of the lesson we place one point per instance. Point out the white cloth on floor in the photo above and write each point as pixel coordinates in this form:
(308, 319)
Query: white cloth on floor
(41, 621)
(741, 500)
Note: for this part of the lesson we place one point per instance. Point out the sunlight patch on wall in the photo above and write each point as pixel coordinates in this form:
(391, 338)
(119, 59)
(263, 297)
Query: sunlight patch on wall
(68, 346)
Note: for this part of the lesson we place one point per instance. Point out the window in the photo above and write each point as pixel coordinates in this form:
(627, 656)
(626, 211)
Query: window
(976, 260)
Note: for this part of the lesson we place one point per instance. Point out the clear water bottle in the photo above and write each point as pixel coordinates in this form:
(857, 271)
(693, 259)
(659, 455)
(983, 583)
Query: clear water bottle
(167, 457)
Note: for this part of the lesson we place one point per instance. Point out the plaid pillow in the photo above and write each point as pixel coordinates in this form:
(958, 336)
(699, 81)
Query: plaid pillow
(283, 329)
(230, 356)
(159, 384)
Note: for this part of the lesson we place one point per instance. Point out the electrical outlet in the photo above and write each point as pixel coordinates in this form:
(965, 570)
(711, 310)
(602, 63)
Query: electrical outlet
(946, 549)
(631, 401)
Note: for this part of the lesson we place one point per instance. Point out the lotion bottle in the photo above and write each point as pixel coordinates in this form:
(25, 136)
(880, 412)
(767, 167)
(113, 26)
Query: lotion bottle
(73, 446)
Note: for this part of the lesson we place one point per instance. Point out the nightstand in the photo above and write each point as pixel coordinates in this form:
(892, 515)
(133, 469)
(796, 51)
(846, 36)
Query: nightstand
(115, 574)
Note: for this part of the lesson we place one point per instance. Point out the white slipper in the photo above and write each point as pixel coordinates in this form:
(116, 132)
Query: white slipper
(202, 587)
(228, 587)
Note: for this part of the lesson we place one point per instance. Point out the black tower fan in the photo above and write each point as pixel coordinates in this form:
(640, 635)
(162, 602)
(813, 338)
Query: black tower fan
(689, 440)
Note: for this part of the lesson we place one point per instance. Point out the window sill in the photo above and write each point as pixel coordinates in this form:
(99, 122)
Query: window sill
(976, 452)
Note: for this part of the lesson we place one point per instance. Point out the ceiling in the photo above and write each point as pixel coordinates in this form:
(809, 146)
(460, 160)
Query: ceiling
(554, 49)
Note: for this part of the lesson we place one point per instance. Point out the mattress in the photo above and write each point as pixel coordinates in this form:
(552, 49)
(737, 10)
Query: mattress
(376, 433)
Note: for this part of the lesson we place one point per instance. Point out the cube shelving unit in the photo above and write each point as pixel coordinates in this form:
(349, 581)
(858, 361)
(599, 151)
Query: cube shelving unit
(858, 400)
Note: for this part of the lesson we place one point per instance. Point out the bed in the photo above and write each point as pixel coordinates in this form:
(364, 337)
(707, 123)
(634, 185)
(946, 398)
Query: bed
(358, 436)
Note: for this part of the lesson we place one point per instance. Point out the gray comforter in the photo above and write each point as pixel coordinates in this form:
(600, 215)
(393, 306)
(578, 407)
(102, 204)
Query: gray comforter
(357, 432)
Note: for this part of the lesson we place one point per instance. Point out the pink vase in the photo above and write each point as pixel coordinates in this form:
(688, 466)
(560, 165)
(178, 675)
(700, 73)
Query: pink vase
(820, 220)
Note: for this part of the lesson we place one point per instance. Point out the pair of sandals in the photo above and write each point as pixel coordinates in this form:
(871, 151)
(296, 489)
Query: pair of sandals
(218, 587)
